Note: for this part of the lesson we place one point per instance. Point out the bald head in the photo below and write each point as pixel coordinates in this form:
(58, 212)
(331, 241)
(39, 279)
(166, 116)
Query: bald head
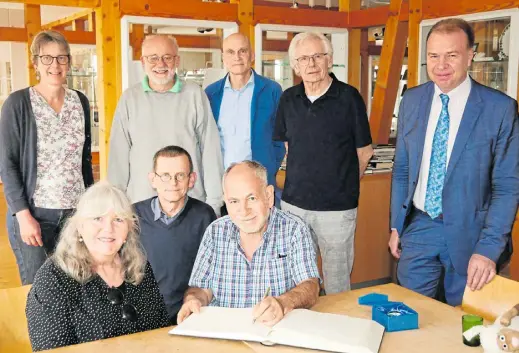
(237, 54)
(247, 196)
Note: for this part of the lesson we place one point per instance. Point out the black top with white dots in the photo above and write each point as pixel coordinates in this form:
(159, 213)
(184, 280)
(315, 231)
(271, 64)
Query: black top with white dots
(61, 311)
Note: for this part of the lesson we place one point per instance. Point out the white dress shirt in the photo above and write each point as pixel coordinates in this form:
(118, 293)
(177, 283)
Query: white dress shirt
(457, 101)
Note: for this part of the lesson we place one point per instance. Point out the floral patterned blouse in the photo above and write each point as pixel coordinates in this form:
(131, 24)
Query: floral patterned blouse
(60, 140)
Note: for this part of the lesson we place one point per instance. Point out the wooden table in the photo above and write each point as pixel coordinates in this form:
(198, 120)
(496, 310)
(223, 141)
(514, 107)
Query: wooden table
(440, 330)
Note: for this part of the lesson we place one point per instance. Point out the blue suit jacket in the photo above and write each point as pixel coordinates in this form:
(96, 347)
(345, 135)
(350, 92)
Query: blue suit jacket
(265, 99)
(481, 189)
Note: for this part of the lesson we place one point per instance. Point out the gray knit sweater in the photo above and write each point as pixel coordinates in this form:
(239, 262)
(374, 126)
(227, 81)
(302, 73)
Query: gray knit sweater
(144, 122)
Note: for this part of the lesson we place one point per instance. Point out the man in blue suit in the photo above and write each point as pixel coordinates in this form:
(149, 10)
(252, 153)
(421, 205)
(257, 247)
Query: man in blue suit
(455, 184)
(244, 105)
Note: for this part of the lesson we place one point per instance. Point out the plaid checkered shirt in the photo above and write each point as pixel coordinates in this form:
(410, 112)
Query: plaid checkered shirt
(285, 258)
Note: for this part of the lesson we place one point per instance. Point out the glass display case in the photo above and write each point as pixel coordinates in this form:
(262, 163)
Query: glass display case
(276, 66)
(83, 77)
(494, 49)
(6, 86)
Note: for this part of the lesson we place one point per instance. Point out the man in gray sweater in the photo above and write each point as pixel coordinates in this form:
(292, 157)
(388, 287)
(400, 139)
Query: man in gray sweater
(162, 111)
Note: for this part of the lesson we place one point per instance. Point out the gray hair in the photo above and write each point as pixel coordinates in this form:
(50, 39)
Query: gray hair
(74, 258)
(301, 37)
(167, 36)
(259, 170)
(45, 37)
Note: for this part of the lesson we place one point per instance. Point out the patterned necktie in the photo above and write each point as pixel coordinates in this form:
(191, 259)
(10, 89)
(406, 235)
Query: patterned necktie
(438, 166)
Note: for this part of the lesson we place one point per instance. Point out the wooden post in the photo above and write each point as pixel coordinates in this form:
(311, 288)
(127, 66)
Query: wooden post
(33, 26)
(413, 55)
(353, 44)
(136, 41)
(245, 18)
(108, 25)
(386, 88)
(365, 79)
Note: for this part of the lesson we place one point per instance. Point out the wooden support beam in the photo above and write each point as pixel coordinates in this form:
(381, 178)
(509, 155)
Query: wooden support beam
(136, 38)
(79, 25)
(365, 79)
(78, 37)
(32, 15)
(299, 17)
(91, 22)
(375, 16)
(108, 73)
(388, 78)
(436, 9)
(415, 17)
(353, 44)
(69, 3)
(68, 20)
(190, 9)
(13, 34)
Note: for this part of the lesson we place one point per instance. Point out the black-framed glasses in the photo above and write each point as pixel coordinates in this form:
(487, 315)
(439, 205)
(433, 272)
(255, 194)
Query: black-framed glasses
(153, 59)
(49, 59)
(317, 58)
(178, 177)
(116, 297)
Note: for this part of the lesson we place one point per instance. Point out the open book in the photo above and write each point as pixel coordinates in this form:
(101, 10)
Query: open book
(299, 328)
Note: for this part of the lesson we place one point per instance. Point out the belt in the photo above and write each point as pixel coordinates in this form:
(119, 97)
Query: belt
(419, 211)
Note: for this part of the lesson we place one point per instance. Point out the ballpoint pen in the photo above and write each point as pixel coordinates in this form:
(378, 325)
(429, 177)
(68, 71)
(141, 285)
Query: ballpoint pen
(267, 292)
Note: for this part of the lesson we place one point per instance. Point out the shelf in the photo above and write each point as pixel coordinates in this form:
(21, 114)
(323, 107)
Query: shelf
(286, 64)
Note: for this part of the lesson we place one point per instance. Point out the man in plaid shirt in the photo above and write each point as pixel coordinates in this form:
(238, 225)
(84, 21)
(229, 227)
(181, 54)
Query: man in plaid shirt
(256, 248)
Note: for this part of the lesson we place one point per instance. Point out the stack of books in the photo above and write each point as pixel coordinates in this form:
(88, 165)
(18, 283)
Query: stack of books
(382, 160)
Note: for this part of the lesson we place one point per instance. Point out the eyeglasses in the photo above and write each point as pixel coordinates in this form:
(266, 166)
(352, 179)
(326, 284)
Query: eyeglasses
(49, 59)
(116, 297)
(317, 58)
(153, 59)
(178, 177)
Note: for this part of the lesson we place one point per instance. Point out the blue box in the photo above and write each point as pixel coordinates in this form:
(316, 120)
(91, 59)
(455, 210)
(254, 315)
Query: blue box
(373, 298)
(395, 316)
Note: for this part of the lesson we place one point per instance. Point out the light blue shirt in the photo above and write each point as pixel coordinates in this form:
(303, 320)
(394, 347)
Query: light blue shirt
(159, 214)
(234, 123)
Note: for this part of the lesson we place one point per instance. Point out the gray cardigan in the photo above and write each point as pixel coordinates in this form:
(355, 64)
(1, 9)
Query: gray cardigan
(18, 149)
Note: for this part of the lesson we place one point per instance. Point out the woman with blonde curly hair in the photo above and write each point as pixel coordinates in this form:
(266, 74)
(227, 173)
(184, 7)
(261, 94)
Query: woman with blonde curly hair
(98, 283)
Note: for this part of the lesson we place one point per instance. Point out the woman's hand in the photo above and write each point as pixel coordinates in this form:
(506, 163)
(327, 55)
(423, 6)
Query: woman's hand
(29, 228)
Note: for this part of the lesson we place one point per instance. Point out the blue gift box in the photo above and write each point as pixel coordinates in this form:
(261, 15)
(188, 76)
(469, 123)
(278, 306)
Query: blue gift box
(395, 316)
(373, 298)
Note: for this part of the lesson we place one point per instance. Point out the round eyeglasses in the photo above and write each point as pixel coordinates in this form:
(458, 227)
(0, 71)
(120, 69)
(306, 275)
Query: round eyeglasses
(317, 58)
(49, 59)
(178, 177)
(154, 59)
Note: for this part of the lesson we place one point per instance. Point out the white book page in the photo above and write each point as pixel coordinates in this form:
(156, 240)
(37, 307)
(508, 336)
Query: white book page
(332, 332)
(225, 323)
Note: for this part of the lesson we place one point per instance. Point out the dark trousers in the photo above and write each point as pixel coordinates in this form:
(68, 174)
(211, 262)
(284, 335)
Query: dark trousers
(30, 258)
(425, 260)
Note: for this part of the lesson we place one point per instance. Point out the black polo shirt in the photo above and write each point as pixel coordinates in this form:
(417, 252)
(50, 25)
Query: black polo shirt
(323, 137)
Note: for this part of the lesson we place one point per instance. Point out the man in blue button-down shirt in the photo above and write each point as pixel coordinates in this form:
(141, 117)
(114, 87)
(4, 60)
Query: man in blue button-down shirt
(254, 249)
(244, 106)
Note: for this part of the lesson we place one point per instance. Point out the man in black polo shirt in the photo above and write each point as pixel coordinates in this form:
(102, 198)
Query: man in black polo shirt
(172, 224)
(324, 125)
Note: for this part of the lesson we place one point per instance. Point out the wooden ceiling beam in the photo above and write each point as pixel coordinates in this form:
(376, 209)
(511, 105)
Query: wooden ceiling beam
(79, 37)
(68, 20)
(13, 34)
(299, 17)
(69, 3)
(190, 9)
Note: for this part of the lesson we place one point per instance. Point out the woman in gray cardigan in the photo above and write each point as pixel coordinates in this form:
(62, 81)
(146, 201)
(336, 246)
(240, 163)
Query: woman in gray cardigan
(45, 159)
